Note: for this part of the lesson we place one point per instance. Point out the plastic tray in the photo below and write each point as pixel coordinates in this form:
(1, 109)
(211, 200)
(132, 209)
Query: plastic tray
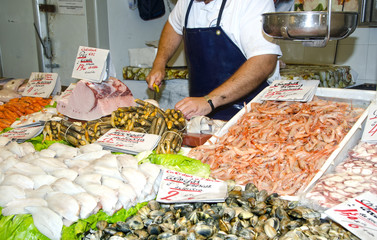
(358, 98)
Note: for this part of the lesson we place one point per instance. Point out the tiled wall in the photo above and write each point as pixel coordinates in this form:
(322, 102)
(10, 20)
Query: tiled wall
(359, 51)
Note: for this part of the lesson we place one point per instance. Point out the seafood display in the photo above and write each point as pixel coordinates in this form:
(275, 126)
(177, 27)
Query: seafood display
(89, 100)
(245, 214)
(279, 146)
(76, 133)
(62, 184)
(42, 116)
(137, 73)
(331, 76)
(17, 107)
(148, 118)
(356, 175)
(11, 89)
(321, 5)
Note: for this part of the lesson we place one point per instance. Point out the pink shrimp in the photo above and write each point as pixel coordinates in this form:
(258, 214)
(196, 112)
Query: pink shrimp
(279, 145)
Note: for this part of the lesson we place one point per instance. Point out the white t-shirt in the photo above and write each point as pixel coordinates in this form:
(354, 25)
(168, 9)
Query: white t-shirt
(241, 20)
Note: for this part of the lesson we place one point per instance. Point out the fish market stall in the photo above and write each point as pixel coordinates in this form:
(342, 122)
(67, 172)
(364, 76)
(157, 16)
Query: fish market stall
(69, 190)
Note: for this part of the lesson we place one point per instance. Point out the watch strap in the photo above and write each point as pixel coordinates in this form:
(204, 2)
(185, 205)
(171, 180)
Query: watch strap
(209, 100)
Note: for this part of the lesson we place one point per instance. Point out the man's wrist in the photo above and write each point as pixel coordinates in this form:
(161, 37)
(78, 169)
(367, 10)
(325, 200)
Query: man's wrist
(209, 100)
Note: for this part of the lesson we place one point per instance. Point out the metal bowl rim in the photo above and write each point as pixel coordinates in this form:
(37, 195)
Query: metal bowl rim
(308, 13)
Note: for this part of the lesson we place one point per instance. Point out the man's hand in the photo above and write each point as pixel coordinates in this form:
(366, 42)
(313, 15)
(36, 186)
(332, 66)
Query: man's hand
(155, 76)
(193, 106)
(168, 44)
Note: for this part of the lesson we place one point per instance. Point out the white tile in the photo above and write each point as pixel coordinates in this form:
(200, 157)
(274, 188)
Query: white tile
(293, 52)
(359, 36)
(354, 56)
(373, 36)
(325, 55)
(371, 71)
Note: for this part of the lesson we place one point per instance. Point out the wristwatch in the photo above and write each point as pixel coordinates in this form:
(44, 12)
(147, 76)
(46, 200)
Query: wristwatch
(206, 97)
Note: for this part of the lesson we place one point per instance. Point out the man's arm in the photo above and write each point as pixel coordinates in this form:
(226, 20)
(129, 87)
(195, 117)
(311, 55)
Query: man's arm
(168, 44)
(248, 77)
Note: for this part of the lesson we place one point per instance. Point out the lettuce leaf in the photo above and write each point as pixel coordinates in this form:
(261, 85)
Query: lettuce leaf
(21, 227)
(180, 163)
(51, 106)
(79, 228)
(6, 130)
(39, 144)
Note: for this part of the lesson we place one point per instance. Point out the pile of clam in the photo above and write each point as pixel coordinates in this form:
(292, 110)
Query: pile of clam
(245, 214)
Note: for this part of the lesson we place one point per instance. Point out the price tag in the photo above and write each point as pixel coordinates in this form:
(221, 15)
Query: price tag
(370, 129)
(93, 64)
(180, 187)
(358, 215)
(23, 133)
(68, 91)
(119, 140)
(291, 90)
(42, 85)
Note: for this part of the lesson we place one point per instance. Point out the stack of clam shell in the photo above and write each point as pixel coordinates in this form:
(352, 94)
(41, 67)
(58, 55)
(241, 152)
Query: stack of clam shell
(245, 214)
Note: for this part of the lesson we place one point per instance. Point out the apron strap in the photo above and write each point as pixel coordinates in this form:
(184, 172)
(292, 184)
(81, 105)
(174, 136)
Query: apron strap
(220, 13)
(187, 12)
(218, 18)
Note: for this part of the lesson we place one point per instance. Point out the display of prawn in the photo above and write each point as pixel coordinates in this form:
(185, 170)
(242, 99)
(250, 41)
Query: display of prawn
(279, 146)
(245, 214)
(356, 175)
(148, 118)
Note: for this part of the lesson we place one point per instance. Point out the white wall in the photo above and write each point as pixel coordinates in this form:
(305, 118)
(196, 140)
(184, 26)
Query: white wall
(17, 39)
(359, 51)
(128, 30)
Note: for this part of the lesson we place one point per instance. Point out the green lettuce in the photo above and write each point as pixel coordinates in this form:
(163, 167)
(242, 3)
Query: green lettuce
(39, 144)
(21, 226)
(79, 228)
(51, 106)
(6, 130)
(180, 163)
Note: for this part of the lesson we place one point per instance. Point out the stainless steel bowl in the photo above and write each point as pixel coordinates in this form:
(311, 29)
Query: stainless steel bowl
(309, 25)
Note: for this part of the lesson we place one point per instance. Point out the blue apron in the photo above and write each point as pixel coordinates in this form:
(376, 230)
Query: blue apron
(212, 58)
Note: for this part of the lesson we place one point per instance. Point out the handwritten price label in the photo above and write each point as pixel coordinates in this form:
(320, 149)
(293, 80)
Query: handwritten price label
(358, 215)
(180, 187)
(370, 129)
(291, 90)
(91, 64)
(41, 84)
(23, 133)
(128, 141)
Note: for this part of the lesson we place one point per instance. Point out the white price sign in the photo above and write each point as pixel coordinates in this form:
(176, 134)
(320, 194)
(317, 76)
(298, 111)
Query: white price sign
(358, 215)
(291, 90)
(23, 133)
(180, 187)
(128, 141)
(42, 85)
(93, 64)
(370, 129)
